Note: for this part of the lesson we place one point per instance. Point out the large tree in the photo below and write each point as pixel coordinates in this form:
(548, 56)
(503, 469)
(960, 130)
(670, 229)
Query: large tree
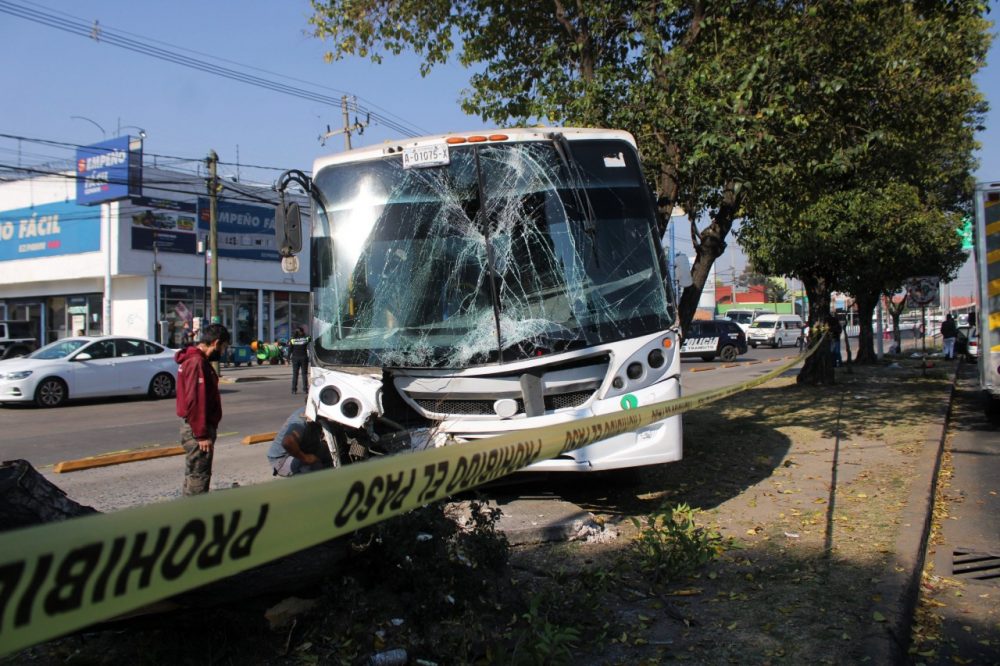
(892, 236)
(740, 107)
(899, 107)
(697, 83)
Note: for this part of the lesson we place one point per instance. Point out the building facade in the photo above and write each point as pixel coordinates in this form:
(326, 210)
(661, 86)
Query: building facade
(136, 266)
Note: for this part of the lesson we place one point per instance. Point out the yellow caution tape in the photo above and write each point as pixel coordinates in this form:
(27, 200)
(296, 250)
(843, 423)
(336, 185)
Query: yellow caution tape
(60, 577)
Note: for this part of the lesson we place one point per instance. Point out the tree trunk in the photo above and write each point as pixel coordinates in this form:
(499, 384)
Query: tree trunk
(818, 368)
(709, 246)
(866, 338)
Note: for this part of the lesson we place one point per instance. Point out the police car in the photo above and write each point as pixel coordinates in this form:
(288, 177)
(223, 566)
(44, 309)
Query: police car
(715, 337)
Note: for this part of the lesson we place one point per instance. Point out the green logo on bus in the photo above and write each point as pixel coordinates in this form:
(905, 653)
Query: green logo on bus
(629, 401)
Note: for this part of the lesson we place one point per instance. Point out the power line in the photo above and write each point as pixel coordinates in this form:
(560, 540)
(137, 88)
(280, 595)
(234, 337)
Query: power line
(154, 185)
(65, 144)
(338, 91)
(103, 34)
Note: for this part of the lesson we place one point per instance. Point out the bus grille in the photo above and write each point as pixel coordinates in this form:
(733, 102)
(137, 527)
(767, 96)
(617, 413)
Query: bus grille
(485, 407)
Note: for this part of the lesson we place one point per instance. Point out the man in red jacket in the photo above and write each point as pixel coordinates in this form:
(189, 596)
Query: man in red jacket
(199, 404)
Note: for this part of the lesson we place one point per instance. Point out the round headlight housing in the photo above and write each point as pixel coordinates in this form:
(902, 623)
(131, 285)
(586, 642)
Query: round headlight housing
(351, 408)
(634, 370)
(656, 358)
(329, 396)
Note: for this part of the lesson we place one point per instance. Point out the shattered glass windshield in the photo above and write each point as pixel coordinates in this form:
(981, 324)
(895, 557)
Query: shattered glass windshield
(509, 251)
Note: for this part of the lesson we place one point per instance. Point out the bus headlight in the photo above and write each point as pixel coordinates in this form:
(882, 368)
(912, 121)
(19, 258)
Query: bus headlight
(329, 396)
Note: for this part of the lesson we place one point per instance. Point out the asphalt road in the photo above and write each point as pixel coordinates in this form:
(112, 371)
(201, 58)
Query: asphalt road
(93, 427)
(81, 429)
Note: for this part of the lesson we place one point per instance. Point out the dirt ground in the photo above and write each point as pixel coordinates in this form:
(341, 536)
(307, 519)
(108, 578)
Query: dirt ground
(806, 485)
(796, 494)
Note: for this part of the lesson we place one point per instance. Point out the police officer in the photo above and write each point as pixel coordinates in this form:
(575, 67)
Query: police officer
(299, 346)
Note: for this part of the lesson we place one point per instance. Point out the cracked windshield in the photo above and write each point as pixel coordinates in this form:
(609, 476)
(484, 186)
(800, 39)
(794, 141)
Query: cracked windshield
(508, 251)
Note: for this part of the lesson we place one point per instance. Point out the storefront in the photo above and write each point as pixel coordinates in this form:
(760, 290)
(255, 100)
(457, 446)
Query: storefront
(248, 314)
(136, 266)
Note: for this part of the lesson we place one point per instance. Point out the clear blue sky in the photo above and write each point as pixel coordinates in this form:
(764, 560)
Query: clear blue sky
(50, 75)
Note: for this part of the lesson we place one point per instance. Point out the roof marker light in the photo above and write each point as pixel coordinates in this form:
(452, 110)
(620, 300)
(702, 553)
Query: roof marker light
(477, 139)
(455, 139)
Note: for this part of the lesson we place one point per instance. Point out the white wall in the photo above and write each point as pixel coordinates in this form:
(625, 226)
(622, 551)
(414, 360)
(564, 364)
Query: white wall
(130, 308)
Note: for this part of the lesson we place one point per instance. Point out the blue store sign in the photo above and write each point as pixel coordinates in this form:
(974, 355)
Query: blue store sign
(245, 231)
(104, 171)
(49, 230)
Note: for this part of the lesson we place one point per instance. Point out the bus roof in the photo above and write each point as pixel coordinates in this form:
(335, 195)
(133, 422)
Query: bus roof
(515, 134)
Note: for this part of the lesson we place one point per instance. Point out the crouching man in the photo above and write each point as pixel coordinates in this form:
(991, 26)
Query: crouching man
(299, 447)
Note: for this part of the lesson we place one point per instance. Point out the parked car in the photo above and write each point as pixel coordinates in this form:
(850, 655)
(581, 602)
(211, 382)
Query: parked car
(16, 339)
(87, 367)
(777, 330)
(967, 343)
(715, 337)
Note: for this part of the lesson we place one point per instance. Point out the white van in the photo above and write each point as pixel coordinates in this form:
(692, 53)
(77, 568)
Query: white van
(776, 330)
(743, 318)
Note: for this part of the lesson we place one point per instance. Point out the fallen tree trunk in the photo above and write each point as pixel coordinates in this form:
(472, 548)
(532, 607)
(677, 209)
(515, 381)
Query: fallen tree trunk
(27, 498)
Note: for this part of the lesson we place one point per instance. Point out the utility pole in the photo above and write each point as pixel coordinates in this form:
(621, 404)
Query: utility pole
(347, 122)
(213, 235)
(349, 127)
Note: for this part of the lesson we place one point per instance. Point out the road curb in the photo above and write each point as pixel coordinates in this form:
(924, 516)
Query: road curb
(259, 437)
(117, 459)
(898, 590)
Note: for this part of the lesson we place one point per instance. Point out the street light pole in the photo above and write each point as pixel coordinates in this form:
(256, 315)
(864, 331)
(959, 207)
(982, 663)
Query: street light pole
(156, 286)
(104, 135)
(213, 235)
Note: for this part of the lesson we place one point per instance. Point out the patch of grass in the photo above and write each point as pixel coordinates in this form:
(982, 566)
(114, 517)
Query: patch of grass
(671, 545)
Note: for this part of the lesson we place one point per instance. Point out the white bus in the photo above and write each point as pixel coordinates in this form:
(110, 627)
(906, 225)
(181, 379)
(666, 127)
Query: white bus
(473, 284)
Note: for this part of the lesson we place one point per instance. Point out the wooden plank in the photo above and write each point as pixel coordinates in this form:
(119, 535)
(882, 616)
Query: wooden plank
(117, 459)
(259, 437)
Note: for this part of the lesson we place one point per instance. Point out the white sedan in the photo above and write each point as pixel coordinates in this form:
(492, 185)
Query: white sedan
(88, 367)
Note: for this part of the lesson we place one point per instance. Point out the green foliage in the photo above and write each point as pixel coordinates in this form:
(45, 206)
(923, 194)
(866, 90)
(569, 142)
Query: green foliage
(540, 641)
(748, 110)
(671, 545)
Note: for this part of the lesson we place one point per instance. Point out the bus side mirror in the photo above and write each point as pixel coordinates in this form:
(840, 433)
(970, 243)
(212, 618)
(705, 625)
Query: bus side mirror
(288, 229)
(682, 271)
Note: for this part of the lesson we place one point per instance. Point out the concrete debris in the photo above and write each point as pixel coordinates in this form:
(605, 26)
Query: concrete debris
(590, 531)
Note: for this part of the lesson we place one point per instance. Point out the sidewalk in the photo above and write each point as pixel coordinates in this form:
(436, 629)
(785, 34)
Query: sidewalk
(959, 619)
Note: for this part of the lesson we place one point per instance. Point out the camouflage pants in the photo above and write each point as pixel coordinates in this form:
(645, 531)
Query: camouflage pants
(198, 463)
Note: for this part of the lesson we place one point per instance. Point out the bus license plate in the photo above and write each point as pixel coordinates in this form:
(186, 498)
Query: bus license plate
(426, 156)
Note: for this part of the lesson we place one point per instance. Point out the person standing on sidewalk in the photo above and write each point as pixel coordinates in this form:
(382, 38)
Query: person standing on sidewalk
(199, 404)
(299, 351)
(949, 331)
